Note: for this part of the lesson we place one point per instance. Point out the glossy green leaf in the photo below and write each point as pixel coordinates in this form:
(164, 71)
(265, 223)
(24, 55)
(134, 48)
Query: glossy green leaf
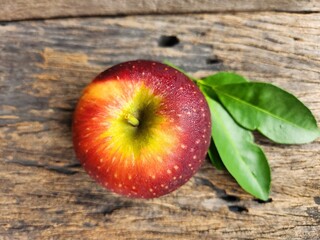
(244, 160)
(208, 83)
(223, 78)
(215, 157)
(276, 113)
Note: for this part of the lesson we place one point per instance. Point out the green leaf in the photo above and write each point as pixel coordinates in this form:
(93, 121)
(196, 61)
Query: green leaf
(244, 160)
(215, 157)
(223, 78)
(208, 83)
(276, 113)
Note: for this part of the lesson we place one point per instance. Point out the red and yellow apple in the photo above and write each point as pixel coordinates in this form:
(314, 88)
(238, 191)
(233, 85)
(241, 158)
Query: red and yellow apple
(141, 129)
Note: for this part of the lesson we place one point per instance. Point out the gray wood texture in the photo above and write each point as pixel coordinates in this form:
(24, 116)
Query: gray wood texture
(39, 9)
(44, 65)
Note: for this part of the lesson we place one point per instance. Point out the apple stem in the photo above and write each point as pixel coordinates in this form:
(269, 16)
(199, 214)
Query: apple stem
(132, 120)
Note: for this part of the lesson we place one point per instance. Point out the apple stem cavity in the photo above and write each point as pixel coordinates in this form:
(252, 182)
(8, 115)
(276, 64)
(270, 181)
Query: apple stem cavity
(132, 120)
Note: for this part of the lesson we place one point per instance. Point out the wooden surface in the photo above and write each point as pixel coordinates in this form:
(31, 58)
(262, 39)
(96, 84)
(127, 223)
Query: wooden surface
(44, 65)
(38, 9)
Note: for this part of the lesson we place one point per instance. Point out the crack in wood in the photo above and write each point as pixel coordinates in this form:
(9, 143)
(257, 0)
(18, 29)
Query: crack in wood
(57, 169)
(237, 209)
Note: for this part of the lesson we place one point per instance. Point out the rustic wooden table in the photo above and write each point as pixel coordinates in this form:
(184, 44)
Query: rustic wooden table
(51, 49)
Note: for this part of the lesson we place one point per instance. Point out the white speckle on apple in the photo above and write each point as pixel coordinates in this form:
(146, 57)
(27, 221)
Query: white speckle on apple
(133, 187)
(197, 141)
(153, 177)
(115, 175)
(189, 164)
(203, 114)
(175, 167)
(194, 157)
(191, 149)
(203, 136)
(183, 146)
(180, 177)
(162, 185)
(166, 187)
(129, 177)
(179, 115)
(166, 69)
(99, 167)
(179, 129)
(189, 113)
(133, 66)
(169, 171)
(120, 185)
(159, 159)
(205, 141)
(151, 190)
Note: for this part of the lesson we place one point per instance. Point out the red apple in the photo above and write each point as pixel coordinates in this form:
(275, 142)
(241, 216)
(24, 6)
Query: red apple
(141, 129)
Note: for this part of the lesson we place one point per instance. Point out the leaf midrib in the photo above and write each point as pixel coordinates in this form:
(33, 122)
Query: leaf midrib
(260, 110)
(244, 162)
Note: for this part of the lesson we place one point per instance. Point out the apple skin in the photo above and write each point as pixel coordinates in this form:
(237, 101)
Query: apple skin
(161, 153)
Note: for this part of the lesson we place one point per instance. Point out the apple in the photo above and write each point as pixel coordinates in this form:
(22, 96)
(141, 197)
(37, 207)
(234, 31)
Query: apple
(141, 129)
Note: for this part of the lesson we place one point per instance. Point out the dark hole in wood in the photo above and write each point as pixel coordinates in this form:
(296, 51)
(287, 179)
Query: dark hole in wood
(230, 198)
(213, 61)
(168, 41)
(239, 209)
(317, 200)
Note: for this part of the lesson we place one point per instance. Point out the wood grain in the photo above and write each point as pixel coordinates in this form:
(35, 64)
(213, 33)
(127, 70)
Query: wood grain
(45, 194)
(44, 9)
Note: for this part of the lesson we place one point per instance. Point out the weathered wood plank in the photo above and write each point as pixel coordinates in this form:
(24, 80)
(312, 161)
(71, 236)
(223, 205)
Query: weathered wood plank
(44, 9)
(44, 194)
